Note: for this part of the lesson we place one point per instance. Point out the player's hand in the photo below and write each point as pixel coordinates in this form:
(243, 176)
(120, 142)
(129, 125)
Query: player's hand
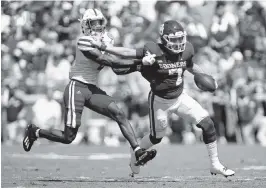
(148, 59)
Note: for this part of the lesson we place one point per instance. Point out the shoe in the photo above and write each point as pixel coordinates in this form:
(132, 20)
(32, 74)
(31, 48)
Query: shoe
(222, 170)
(140, 158)
(29, 137)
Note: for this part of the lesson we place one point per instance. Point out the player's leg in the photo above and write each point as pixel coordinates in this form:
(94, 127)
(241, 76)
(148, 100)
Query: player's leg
(191, 110)
(74, 103)
(105, 105)
(158, 125)
(158, 122)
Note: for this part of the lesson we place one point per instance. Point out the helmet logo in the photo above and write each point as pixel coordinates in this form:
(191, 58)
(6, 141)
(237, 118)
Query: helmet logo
(177, 34)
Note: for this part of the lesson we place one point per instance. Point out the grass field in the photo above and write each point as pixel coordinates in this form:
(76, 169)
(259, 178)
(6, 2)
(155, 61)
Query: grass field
(61, 166)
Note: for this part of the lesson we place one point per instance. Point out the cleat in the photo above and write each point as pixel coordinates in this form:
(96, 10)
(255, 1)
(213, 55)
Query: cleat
(143, 158)
(222, 170)
(29, 137)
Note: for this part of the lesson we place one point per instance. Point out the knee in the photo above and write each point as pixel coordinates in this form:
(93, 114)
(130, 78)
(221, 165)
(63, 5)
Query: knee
(116, 113)
(155, 140)
(209, 133)
(206, 124)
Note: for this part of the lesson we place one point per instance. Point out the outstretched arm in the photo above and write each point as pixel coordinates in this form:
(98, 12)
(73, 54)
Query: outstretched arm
(128, 70)
(119, 51)
(114, 61)
(84, 45)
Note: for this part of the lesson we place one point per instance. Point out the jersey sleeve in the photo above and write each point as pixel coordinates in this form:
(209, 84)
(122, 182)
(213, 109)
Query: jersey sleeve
(191, 53)
(84, 45)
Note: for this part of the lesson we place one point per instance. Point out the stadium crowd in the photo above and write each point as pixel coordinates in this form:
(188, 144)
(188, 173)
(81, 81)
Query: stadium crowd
(38, 41)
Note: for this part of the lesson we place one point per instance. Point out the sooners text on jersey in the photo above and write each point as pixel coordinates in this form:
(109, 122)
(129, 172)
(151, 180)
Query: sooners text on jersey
(166, 74)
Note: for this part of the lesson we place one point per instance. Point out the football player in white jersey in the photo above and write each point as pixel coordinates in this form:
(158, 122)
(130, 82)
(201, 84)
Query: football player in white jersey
(82, 90)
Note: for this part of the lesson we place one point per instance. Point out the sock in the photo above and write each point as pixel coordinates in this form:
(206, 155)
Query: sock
(146, 142)
(136, 149)
(213, 153)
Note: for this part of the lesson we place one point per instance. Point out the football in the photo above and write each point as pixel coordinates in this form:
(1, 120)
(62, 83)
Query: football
(205, 82)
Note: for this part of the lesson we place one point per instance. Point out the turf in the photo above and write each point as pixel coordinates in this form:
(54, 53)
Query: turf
(99, 166)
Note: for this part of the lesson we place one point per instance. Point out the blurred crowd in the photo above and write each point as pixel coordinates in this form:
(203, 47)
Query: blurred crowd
(38, 47)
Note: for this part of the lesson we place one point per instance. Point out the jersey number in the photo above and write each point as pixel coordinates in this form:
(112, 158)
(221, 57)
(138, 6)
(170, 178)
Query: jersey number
(179, 77)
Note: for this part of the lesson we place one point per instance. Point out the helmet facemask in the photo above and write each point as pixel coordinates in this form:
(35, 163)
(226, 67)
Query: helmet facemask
(176, 43)
(93, 27)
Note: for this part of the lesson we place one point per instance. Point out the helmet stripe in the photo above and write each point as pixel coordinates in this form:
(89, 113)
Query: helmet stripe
(95, 12)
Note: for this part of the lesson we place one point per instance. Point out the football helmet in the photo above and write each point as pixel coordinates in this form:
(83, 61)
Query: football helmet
(93, 22)
(173, 36)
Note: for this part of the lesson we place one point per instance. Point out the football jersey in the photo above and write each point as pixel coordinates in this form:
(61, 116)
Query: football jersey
(87, 70)
(166, 74)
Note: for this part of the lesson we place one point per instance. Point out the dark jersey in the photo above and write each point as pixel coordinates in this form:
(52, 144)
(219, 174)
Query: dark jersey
(166, 74)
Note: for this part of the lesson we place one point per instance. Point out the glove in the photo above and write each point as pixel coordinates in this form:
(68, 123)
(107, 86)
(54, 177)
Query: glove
(148, 59)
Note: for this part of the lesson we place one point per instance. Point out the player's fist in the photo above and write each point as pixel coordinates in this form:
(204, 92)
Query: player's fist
(148, 59)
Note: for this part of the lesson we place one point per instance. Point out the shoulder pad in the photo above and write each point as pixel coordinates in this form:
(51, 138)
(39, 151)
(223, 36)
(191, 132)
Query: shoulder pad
(153, 48)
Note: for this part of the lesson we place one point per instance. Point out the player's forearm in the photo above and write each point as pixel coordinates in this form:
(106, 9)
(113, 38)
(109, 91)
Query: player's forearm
(113, 61)
(195, 69)
(121, 51)
(123, 71)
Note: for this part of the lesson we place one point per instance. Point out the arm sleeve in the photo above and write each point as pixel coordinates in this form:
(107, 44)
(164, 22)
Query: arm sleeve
(92, 53)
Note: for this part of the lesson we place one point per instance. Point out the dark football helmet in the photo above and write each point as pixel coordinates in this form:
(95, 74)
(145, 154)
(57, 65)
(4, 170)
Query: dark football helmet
(173, 36)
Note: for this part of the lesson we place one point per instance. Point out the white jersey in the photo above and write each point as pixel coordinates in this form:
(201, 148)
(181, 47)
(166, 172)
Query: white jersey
(84, 69)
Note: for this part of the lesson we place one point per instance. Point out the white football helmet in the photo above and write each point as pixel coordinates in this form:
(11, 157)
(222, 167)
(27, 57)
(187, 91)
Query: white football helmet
(93, 22)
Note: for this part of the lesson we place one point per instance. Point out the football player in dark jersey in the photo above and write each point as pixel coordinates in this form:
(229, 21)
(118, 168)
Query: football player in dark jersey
(169, 59)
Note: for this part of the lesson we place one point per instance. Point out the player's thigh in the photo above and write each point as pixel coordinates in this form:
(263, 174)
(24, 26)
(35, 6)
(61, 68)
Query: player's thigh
(189, 109)
(100, 102)
(74, 101)
(158, 115)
